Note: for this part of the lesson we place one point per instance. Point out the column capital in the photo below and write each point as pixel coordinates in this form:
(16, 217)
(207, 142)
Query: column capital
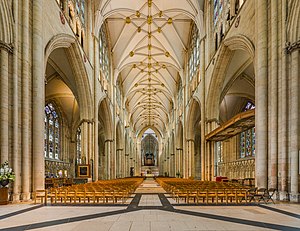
(89, 121)
(6, 46)
(190, 140)
(108, 140)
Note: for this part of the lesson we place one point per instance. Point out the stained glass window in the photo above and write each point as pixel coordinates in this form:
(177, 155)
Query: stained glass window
(78, 145)
(194, 55)
(103, 53)
(247, 138)
(249, 105)
(79, 4)
(218, 7)
(219, 151)
(51, 133)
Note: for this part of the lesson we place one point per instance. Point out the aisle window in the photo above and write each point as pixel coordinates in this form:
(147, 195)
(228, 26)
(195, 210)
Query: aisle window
(78, 146)
(52, 132)
(247, 138)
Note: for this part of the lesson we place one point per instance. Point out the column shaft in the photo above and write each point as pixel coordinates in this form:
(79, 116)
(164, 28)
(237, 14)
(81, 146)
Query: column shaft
(283, 136)
(38, 90)
(4, 105)
(203, 114)
(273, 154)
(26, 160)
(294, 127)
(15, 135)
(261, 93)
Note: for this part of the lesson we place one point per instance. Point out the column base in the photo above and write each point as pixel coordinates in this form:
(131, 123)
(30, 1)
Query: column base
(16, 198)
(295, 197)
(283, 196)
(25, 196)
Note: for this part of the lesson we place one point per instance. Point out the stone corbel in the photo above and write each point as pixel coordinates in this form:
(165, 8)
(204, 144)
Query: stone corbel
(289, 48)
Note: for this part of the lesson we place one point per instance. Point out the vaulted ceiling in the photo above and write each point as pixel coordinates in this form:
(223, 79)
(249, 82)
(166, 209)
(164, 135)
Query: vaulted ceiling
(149, 42)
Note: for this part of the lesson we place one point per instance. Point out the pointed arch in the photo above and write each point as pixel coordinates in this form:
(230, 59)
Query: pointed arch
(239, 42)
(105, 117)
(68, 42)
(193, 117)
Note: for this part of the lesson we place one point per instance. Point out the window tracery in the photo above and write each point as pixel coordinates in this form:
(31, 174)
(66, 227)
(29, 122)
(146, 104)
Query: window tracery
(194, 56)
(78, 145)
(247, 138)
(52, 132)
(104, 53)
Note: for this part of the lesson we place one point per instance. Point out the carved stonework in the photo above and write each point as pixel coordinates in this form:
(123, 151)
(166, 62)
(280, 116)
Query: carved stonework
(289, 48)
(238, 169)
(6, 46)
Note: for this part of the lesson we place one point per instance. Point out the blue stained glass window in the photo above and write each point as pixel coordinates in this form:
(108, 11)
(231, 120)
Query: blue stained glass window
(52, 132)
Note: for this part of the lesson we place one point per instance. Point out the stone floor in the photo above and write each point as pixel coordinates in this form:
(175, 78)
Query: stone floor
(150, 211)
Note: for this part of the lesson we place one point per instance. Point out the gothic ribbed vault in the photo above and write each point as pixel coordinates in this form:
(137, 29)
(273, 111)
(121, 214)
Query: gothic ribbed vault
(149, 40)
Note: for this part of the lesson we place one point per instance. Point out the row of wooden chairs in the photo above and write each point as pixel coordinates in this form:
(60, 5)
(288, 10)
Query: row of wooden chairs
(211, 192)
(105, 191)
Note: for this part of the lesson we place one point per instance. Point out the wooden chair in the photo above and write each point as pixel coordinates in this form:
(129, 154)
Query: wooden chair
(40, 195)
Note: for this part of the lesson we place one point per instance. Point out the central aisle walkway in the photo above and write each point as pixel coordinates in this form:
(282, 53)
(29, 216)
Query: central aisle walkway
(150, 186)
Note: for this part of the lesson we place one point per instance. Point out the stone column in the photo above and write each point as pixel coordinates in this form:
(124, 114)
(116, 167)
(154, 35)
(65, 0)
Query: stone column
(25, 134)
(112, 160)
(38, 96)
(181, 163)
(119, 163)
(96, 107)
(168, 152)
(126, 174)
(90, 148)
(273, 112)
(138, 158)
(4, 101)
(176, 161)
(283, 124)
(172, 160)
(208, 160)
(294, 126)
(261, 93)
(122, 163)
(15, 102)
(203, 114)
(107, 150)
(85, 141)
(191, 158)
